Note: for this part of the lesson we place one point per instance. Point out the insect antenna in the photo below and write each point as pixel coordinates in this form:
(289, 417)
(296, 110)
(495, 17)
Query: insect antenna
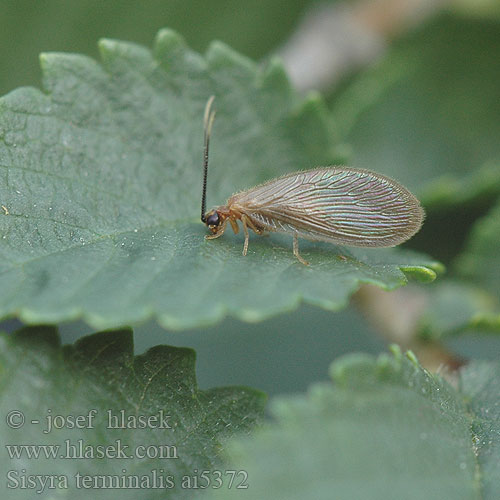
(208, 121)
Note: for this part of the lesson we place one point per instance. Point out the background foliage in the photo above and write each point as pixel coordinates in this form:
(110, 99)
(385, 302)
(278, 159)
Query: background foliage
(425, 112)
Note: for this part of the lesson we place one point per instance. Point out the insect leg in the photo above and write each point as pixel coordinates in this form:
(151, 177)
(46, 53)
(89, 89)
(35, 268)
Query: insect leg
(245, 230)
(296, 250)
(234, 225)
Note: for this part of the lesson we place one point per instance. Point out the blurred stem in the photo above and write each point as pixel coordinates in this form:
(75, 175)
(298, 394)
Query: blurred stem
(335, 39)
(396, 315)
(390, 18)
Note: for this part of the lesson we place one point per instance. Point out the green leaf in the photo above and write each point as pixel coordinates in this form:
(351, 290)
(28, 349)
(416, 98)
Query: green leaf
(455, 307)
(186, 430)
(480, 260)
(480, 383)
(250, 27)
(291, 350)
(387, 428)
(101, 184)
(427, 114)
(482, 8)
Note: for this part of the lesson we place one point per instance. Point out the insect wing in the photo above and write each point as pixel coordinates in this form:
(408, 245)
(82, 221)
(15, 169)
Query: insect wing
(337, 204)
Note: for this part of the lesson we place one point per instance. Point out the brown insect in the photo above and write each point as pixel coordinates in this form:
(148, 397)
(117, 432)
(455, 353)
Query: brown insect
(340, 205)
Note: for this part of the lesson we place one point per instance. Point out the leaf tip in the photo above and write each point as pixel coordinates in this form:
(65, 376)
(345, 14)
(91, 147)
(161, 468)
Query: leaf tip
(424, 274)
(275, 76)
(220, 55)
(106, 45)
(341, 369)
(44, 57)
(384, 362)
(48, 59)
(396, 351)
(108, 49)
(312, 115)
(167, 40)
(410, 355)
(314, 104)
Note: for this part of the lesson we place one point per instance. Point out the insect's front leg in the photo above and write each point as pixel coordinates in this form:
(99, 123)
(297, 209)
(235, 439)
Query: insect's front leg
(234, 225)
(248, 223)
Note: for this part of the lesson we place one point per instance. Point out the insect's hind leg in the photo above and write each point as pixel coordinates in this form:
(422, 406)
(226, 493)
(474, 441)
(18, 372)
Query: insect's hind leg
(296, 250)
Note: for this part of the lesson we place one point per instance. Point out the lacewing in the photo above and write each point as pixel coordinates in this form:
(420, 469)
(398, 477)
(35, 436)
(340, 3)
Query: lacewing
(340, 205)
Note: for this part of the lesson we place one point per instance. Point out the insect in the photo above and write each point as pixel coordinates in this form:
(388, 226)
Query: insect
(340, 205)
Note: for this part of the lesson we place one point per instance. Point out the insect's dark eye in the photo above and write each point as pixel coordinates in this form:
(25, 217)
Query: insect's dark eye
(213, 219)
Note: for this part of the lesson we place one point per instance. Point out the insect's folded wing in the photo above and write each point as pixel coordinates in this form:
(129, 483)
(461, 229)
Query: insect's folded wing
(337, 204)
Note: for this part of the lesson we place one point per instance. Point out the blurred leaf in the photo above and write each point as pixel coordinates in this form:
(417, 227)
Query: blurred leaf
(249, 27)
(427, 114)
(480, 261)
(101, 182)
(482, 8)
(41, 379)
(386, 429)
(455, 307)
(480, 384)
(289, 357)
